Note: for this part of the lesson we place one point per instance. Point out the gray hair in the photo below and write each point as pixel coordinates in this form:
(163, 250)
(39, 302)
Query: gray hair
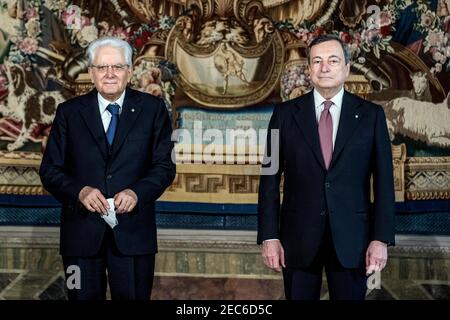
(110, 42)
(329, 37)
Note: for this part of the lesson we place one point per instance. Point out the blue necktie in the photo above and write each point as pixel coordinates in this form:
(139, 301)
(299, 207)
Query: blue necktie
(114, 110)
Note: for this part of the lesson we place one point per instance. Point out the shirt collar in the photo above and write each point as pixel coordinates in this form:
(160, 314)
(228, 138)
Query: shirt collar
(337, 99)
(103, 103)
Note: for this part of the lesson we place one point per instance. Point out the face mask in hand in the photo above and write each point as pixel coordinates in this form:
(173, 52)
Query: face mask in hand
(110, 216)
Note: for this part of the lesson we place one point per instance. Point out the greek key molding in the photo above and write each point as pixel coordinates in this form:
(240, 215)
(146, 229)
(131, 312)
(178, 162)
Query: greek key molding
(415, 178)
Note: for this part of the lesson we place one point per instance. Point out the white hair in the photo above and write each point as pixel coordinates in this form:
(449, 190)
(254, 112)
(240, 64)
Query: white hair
(110, 42)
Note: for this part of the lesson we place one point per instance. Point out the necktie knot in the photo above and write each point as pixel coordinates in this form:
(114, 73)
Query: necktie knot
(327, 105)
(113, 108)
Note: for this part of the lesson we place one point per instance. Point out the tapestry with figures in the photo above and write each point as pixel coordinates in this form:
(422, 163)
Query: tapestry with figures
(224, 63)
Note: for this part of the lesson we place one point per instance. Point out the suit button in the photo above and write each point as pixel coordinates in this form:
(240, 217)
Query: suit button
(327, 184)
(323, 212)
(109, 176)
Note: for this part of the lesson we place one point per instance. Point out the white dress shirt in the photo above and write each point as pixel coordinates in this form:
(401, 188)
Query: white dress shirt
(103, 103)
(335, 109)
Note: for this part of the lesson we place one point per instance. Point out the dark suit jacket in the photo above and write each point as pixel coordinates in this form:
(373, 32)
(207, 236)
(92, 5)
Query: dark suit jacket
(78, 155)
(313, 195)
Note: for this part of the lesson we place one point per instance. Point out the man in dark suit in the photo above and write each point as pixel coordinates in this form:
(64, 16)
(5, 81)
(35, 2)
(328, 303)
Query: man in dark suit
(330, 144)
(113, 142)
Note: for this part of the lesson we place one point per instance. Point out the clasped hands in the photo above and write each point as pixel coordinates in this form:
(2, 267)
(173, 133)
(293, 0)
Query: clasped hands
(93, 200)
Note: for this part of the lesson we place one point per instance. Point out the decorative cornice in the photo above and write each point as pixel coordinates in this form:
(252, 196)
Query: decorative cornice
(428, 195)
(427, 178)
(416, 178)
(21, 158)
(427, 163)
(22, 190)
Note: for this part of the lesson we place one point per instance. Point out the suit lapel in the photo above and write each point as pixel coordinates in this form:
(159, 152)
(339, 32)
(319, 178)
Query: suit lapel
(93, 120)
(130, 111)
(305, 118)
(349, 120)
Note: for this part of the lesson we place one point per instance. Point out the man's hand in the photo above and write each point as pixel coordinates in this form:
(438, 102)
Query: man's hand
(125, 201)
(273, 255)
(376, 256)
(93, 200)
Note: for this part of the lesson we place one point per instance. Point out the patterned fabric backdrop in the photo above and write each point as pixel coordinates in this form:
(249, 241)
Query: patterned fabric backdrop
(227, 55)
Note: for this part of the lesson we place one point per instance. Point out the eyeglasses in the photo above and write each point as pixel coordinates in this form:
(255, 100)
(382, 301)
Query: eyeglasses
(102, 68)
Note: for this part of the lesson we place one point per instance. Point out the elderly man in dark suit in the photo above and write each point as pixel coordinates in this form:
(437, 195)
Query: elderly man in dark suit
(330, 144)
(113, 142)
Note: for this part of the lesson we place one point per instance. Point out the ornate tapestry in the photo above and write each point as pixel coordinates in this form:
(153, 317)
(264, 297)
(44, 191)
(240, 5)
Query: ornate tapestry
(224, 63)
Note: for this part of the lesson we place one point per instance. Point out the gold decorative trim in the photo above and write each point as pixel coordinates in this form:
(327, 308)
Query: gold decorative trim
(214, 184)
(20, 158)
(232, 101)
(249, 42)
(416, 178)
(83, 85)
(239, 183)
(358, 84)
(427, 163)
(427, 178)
(22, 190)
(428, 195)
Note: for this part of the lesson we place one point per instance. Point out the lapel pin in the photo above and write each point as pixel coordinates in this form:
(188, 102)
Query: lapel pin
(132, 109)
(356, 116)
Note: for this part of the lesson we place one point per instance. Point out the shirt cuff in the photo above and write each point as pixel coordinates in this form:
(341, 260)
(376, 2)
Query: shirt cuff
(271, 240)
